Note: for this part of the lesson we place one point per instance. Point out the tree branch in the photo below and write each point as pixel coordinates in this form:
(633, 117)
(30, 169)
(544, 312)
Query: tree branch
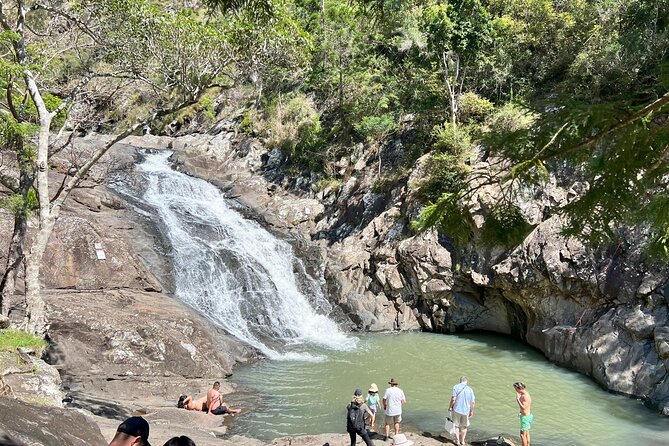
(59, 199)
(66, 143)
(85, 28)
(10, 101)
(3, 19)
(86, 79)
(9, 182)
(664, 100)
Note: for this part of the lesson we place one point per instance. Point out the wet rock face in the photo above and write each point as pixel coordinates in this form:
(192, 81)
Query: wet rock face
(47, 426)
(602, 313)
(81, 255)
(130, 345)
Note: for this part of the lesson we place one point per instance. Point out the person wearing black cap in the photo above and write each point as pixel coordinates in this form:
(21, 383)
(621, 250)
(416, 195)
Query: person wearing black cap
(355, 418)
(134, 431)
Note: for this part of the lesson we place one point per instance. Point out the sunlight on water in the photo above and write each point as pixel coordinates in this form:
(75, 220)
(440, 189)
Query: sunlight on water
(569, 409)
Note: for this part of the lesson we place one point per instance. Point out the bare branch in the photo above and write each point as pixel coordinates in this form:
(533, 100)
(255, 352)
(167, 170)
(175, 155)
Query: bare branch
(81, 25)
(9, 182)
(66, 143)
(59, 199)
(85, 80)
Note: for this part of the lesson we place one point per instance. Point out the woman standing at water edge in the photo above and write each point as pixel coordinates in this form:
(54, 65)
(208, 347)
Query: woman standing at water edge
(524, 402)
(373, 400)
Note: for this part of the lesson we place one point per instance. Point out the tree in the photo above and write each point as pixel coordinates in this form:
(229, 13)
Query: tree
(175, 56)
(611, 132)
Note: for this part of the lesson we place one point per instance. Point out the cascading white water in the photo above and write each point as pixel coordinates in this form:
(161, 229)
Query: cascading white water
(235, 272)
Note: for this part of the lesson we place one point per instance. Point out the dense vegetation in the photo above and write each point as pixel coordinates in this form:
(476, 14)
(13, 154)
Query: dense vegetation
(561, 89)
(541, 84)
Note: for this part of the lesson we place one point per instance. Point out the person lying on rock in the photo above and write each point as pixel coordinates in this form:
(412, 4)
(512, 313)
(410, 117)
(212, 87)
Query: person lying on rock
(187, 402)
(215, 403)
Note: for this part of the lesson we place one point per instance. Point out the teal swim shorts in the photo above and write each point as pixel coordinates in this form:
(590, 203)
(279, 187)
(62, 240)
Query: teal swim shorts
(526, 422)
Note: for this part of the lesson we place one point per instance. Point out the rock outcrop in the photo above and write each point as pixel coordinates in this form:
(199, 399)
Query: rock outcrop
(601, 313)
(45, 426)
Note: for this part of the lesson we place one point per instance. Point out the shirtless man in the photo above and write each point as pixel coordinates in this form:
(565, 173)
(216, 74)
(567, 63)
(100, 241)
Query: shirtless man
(524, 402)
(215, 403)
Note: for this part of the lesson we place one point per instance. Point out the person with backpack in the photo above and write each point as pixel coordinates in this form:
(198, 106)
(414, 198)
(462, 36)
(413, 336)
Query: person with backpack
(355, 418)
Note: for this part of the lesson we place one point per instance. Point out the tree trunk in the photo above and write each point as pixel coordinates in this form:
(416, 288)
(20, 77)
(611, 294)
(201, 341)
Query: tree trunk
(14, 259)
(35, 319)
(15, 253)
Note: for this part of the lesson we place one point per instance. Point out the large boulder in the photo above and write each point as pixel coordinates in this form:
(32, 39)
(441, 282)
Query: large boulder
(82, 256)
(34, 425)
(124, 349)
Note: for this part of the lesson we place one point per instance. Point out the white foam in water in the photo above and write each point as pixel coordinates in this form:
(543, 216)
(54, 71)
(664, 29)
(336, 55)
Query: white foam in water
(235, 272)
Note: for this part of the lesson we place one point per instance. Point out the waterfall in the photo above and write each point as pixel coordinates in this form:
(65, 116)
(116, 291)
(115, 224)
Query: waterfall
(235, 272)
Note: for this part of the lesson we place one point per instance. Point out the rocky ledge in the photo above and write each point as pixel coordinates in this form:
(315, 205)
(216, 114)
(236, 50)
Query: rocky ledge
(603, 313)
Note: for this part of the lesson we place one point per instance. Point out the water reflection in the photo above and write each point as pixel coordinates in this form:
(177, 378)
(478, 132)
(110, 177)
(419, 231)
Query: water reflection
(569, 409)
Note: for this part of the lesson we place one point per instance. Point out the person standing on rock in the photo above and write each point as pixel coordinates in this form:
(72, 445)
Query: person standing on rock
(134, 431)
(215, 403)
(462, 408)
(373, 402)
(393, 400)
(355, 418)
(524, 402)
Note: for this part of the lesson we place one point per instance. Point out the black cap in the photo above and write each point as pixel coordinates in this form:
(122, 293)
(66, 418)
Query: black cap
(136, 427)
(357, 392)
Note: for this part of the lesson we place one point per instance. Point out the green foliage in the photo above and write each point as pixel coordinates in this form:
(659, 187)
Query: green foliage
(52, 102)
(375, 128)
(446, 215)
(294, 126)
(10, 340)
(247, 123)
(505, 226)
(510, 118)
(473, 108)
(451, 139)
(390, 180)
(444, 172)
(324, 183)
(15, 203)
(207, 107)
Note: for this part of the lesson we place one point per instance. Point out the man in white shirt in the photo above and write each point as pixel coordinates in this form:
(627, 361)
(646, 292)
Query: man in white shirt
(462, 406)
(393, 400)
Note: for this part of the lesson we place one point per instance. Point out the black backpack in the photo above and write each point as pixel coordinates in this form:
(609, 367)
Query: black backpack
(355, 420)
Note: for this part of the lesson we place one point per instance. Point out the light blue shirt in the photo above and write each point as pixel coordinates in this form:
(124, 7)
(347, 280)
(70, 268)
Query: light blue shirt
(464, 396)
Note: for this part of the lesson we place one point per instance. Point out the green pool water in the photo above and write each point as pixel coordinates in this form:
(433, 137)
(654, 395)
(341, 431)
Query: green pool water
(309, 397)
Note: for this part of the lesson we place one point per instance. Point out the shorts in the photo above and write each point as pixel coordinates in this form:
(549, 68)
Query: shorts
(460, 420)
(526, 422)
(392, 419)
(220, 410)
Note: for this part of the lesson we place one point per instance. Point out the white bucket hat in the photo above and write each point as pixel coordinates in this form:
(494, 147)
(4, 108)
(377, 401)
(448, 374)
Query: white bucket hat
(401, 440)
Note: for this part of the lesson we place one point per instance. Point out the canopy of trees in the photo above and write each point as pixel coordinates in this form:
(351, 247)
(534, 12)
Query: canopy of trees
(570, 89)
(546, 87)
